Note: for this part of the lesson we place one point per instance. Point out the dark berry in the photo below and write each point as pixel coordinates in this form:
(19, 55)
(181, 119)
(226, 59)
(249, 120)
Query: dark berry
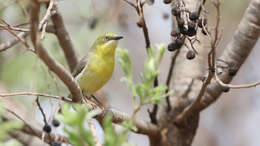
(204, 21)
(180, 22)
(55, 143)
(191, 25)
(190, 55)
(183, 30)
(176, 12)
(175, 33)
(167, 1)
(191, 32)
(55, 123)
(173, 46)
(46, 128)
(191, 29)
(225, 89)
(180, 41)
(194, 16)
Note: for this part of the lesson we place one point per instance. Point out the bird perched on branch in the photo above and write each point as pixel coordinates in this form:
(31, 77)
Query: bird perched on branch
(97, 66)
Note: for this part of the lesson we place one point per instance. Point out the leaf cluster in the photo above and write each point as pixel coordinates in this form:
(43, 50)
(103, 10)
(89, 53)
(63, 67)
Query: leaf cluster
(145, 90)
(75, 117)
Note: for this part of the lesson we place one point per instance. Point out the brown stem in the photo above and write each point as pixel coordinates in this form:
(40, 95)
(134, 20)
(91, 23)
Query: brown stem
(64, 39)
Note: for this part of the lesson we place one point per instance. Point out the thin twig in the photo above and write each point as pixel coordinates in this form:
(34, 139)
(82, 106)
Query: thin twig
(14, 28)
(35, 94)
(235, 86)
(42, 112)
(14, 34)
(47, 14)
(25, 13)
(169, 77)
(10, 43)
(13, 41)
(143, 24)
(44, 21)
(131, 4)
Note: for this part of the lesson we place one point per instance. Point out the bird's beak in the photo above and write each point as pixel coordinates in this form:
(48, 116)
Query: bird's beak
(116, 38)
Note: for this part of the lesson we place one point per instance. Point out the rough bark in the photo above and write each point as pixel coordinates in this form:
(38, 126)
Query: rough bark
(186, 83)
(237, 50)
(187, 72)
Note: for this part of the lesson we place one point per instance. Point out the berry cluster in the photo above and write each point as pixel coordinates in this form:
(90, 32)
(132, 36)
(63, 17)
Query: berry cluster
(186, 28)
(47, 128)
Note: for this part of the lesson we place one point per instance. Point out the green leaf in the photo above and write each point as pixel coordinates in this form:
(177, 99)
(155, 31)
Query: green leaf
(74, 117)
(111, 137)
(130, 125)
(124, 61)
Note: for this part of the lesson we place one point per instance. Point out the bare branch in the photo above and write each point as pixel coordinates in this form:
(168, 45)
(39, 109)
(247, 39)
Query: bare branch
(131, 4)
(169, 77)
(143, 127)
(61, 72)
(35, 94)
(142, 23)
(25, 13)
(64, 39)
(13, 28)
(14, 34)
(53, 65)
(237, 50)
(44, 21)
(236, 86)
(40, 108)
(12, 42)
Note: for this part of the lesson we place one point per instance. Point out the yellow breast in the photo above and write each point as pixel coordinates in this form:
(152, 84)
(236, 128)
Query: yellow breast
(98, 71)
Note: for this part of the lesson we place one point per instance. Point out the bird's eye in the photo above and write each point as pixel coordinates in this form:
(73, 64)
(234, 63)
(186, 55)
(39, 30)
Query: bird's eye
(106, 38)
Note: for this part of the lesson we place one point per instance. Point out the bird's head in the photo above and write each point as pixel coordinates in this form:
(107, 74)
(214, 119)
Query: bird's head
(107, 43)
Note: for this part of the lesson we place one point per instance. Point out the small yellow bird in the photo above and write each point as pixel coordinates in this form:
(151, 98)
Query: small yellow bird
(96, 68)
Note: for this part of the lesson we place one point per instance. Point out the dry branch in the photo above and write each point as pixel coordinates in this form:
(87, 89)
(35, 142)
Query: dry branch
(64, 39)
(237, 50)
(143, 127)
(53, 65)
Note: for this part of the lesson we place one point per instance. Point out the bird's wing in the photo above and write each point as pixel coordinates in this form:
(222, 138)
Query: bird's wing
(82, 63)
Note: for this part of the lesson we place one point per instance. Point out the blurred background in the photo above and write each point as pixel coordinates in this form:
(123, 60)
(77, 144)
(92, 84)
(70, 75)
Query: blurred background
(232, 120)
